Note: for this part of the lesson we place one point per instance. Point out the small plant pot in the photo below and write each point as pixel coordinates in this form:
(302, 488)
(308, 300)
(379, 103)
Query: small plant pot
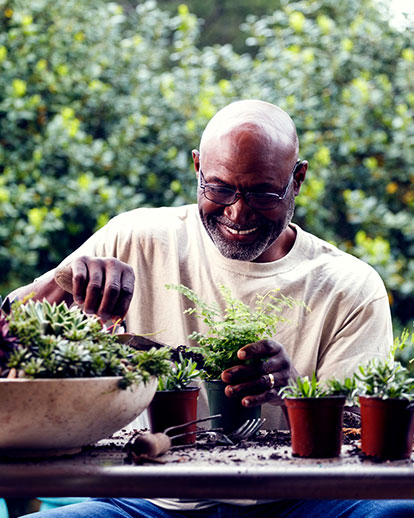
(387, 428)
(316, 426)
(234, 414)
(172, 408)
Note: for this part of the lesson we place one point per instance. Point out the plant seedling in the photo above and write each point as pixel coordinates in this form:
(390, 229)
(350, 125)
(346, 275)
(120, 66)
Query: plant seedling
(234, 326)
(385, 379)
(347, 387)
(303, 387)
(181, 374)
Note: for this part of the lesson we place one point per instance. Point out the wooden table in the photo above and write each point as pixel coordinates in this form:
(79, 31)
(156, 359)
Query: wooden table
(254, 470)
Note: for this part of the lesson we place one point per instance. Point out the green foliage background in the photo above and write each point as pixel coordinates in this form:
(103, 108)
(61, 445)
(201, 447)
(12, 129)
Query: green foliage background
(100, 107)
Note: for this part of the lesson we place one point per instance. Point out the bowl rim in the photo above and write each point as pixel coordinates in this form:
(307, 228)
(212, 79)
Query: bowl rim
(60, 380)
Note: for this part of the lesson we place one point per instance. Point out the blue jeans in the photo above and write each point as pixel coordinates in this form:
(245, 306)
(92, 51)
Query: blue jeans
(138, 508)
(3, 509)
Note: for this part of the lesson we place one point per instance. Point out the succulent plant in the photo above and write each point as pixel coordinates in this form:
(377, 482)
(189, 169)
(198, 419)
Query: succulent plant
(8, 343)
(305, 387)
(43, 340)
(182, 372)
(385, 379)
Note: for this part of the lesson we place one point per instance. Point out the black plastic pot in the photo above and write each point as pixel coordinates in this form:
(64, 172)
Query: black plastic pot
(234, 414)
(387, 428)
(316, 425)
(175, 407)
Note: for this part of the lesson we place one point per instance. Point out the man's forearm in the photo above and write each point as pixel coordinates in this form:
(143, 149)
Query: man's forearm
(44, 288)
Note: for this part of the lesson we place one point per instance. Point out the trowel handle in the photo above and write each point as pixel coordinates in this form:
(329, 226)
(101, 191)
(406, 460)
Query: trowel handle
(63, 278)
(151, 444)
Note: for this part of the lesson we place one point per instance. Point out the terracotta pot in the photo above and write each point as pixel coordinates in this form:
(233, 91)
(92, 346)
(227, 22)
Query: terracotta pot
(316, 426)
(231, 409)
(174, 407)
(387, 427)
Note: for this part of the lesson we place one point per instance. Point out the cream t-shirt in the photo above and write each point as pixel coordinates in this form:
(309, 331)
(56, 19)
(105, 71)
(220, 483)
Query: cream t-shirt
(349, 319)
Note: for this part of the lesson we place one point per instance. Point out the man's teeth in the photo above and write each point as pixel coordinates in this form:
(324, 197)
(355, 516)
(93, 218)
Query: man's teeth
(241, 232)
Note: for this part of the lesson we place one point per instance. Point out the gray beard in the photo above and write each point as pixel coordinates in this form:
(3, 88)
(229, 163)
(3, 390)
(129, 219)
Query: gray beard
(269, 232)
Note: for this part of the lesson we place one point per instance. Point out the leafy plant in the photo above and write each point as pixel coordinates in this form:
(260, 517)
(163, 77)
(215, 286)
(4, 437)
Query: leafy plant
(406, 338)
(388, 378)
(236, 325)
(403, 348)
(182, 372)
(7, 341)
(305, 387)
(43, 340)
(385, 379)
(346, 387)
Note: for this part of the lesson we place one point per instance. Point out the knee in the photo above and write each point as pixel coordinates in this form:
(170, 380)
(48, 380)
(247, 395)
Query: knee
(390, 509)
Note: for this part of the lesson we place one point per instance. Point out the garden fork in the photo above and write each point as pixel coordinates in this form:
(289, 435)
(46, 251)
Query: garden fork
(246, 430)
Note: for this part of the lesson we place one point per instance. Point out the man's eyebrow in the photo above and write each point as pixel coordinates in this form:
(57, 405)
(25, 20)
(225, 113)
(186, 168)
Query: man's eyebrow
(215, 179)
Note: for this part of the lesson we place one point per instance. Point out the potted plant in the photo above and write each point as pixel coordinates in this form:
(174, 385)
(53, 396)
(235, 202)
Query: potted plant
(315, 414)
(386, 399)
(228, 329)
(175, 401)
(66, 380)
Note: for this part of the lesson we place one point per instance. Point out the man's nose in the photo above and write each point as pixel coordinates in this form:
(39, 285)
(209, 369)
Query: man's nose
(239, 212)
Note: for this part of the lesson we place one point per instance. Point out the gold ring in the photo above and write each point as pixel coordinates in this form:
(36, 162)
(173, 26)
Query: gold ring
(272, 380)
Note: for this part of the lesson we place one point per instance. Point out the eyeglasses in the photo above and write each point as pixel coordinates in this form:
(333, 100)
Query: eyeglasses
(255, 200)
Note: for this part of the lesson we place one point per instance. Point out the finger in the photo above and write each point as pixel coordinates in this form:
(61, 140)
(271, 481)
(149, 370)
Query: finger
(127, 291)
(95, 287)
(270, 395)
(242, 373)
(111, 290)
(119, 288)
(260, 349)
(276, 364)
(264, 383)
(254, 387)
(79, 280)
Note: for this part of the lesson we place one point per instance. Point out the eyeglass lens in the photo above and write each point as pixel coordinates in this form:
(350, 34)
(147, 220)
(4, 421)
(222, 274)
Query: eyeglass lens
(255, 200)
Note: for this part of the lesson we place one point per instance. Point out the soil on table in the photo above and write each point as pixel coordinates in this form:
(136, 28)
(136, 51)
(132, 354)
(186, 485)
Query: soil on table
(278, 442)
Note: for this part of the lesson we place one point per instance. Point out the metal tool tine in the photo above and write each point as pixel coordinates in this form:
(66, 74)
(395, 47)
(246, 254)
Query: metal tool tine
(191, 422)
(247, 429)
(242, 429)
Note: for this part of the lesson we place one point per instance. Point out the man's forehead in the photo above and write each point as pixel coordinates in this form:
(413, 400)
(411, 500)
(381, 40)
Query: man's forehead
(244, 132)
(259, 113)
(248, 143)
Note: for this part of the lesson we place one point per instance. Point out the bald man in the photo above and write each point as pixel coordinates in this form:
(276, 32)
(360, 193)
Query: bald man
(239, 234)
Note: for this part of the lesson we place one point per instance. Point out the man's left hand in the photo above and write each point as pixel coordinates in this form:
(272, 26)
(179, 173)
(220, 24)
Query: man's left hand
(259, 380)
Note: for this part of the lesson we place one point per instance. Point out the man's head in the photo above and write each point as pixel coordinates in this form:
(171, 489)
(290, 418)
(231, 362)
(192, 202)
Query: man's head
(251, 147)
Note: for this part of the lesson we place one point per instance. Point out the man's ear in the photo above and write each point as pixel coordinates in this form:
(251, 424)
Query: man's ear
(299, 177)
(196, 159)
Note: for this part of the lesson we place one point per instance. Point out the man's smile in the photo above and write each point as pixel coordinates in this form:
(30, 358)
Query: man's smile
(238, 232)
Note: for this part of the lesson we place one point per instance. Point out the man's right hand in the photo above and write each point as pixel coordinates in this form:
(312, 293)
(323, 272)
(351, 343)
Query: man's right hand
(101, 285)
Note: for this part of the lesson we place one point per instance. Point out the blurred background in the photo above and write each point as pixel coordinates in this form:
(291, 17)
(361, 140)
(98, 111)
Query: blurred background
(102, 102)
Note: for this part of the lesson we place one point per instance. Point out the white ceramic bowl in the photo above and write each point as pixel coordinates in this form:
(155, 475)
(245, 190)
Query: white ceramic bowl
(58, 416)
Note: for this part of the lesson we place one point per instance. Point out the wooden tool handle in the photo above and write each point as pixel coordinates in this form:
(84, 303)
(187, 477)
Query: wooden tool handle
(151, 444)
(63, 278)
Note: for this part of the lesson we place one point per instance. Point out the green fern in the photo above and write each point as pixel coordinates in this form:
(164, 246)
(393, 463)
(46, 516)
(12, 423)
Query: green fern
(235, 326)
